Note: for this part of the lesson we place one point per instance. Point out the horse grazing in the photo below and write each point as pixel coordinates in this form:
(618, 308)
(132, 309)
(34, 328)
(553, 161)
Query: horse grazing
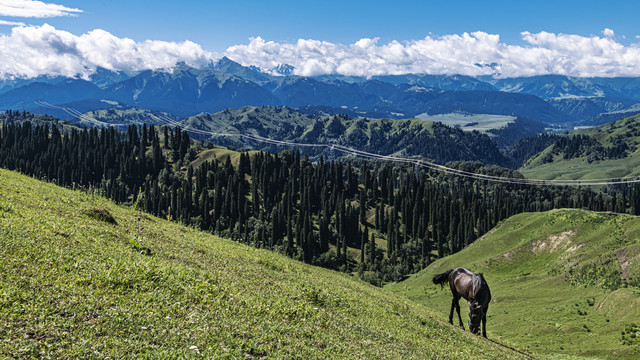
(473, 288)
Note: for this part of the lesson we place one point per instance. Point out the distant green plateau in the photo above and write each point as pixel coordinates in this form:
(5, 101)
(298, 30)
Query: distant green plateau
(469, 122)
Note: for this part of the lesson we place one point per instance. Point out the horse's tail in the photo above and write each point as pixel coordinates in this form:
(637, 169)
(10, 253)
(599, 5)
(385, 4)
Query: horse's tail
(441, 278)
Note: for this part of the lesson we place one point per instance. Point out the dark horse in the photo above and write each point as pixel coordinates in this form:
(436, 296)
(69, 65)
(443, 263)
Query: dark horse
(473, 288)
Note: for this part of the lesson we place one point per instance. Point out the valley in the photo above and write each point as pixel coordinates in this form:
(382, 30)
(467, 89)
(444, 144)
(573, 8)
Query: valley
(390, 225)
(277, 180)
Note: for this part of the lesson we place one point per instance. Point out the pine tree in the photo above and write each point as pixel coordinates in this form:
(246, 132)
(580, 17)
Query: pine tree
(372, 250)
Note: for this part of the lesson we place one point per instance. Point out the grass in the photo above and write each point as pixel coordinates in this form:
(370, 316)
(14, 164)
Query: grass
(580, 169)
(84, 278)
(564, 283)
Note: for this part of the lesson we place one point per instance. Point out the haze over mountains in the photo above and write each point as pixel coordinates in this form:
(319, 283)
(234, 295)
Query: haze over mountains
(185, 91)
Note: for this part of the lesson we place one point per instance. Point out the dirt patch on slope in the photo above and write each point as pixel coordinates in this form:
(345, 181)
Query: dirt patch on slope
(555, 242)
(102, 215)
(625, 263)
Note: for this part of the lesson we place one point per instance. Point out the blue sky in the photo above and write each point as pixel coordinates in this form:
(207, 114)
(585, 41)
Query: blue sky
(217, 25)
(500, 38)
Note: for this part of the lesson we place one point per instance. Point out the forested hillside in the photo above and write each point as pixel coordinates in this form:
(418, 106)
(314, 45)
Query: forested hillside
(407, 137)
(381, 219)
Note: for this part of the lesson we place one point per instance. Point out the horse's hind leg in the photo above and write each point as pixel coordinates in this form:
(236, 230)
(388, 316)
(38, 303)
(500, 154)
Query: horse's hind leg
(484, 321)
(454, 302)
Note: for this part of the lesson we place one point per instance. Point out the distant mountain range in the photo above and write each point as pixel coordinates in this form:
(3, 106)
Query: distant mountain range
(185, 91)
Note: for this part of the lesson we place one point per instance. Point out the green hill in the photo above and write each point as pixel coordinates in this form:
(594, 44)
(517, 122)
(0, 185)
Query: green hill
(563, 282)
(220, 155)
(607, 151)
(406, 137)
(84, 278)
(122, 116)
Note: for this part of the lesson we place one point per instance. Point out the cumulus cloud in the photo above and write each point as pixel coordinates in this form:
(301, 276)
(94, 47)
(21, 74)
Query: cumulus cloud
(44, 50)
(30, 51)
(34, 9)
(476, 53)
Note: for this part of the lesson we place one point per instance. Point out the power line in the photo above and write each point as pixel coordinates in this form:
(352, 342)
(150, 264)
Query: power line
(75, 113)
(420, 162)
(368, 155)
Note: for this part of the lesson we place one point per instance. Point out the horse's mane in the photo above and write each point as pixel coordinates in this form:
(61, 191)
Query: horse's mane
(476, 283)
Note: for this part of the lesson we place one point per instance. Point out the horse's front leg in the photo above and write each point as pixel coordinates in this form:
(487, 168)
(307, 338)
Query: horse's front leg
(459, 317)
(484, 322)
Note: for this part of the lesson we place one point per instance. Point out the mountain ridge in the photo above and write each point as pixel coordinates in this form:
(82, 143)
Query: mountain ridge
(405, 137)
(185, 91)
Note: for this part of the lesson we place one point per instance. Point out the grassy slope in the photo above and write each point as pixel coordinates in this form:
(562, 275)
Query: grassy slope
(530, 261)
(220, 155)
(125, 116)
(73, 285)
(579, 168)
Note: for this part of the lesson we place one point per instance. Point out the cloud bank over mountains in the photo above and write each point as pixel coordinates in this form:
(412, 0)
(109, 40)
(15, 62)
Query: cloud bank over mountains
(476, 53)
(29, 51)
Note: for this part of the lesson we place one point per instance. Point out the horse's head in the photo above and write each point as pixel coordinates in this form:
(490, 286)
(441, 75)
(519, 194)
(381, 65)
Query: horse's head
(475, 316)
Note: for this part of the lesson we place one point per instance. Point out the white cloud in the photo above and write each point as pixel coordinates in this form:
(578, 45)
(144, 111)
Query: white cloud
(476, 53)
(38, 50)
(43, 50)
(34, 9)
(608, 33)
(11, 23)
